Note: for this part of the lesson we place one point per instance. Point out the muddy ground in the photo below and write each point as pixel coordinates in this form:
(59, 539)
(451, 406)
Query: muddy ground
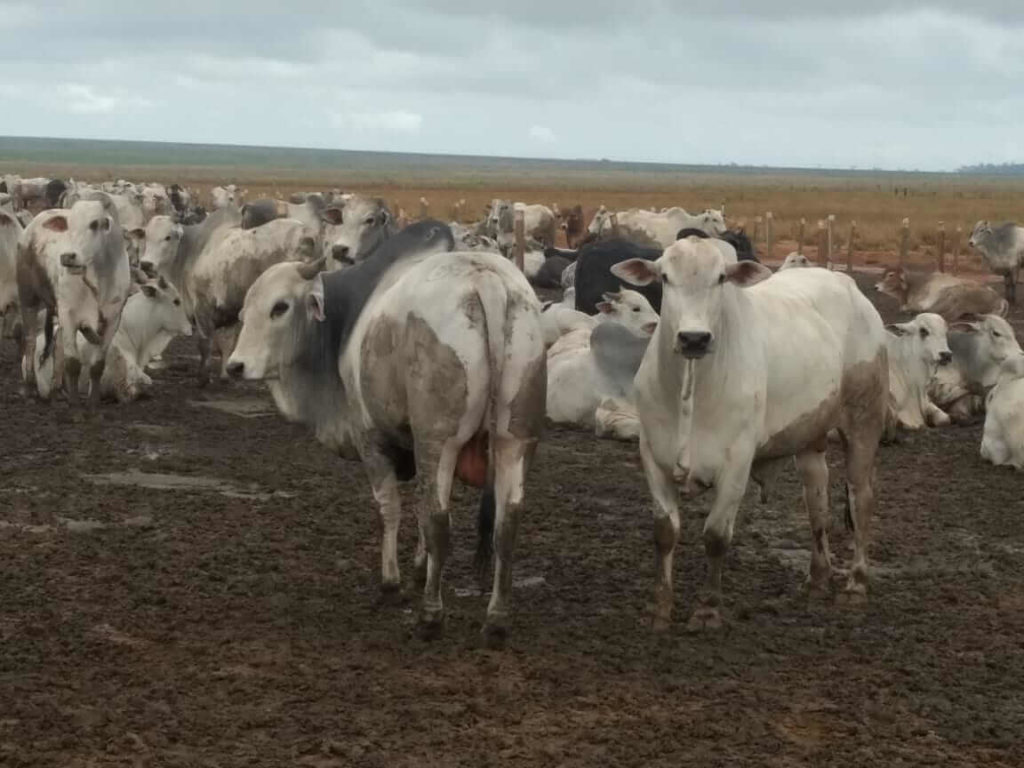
(228, 614)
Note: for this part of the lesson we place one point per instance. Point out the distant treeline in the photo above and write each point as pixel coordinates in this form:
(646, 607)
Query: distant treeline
(992, 169)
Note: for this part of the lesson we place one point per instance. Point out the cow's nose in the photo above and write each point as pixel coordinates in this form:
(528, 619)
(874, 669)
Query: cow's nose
(945, 357)
(235, 369)
(694, 341)
(68, 259)
(340, 253)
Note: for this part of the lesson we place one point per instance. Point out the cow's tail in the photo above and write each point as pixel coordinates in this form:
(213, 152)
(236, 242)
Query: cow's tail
(494, 305)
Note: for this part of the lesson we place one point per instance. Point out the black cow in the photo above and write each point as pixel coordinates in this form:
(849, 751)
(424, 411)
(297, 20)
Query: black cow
(734, 237)
(594, 278)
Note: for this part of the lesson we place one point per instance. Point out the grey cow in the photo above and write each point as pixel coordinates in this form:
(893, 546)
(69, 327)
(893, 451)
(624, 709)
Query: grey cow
(1002, 247)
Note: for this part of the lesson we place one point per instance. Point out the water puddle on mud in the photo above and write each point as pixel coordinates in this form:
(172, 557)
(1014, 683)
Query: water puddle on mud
(162, 481)
(246, 407)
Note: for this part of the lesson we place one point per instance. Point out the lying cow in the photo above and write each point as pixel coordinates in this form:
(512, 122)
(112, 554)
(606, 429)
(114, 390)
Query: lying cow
(308, 210)
(1002, 442)
(627, 307)
(940, 293)
(152, 317)
(717, 396)
(980, 345)
(916, 350)
(1002, 248)
(420, 362)
(795, 260)
(72, 263)
(587, 365)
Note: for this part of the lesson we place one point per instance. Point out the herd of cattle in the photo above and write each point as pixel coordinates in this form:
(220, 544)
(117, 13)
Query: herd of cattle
(421, 350)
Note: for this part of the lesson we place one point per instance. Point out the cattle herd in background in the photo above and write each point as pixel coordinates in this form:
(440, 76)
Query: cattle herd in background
(419, 349)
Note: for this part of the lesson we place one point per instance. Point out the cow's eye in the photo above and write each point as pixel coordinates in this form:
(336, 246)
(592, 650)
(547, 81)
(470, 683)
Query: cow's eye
(370, 221)
(924, 333)
(664, 279)
(279, 309)
(94, 225)
(177, 302)
(721, 278)
(167, 239)
(997, 334)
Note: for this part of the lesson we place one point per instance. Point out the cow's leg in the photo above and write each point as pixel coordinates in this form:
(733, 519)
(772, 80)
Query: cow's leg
(435, 468)
(666, 534)
(225, 340)
(730, 488)
(385, 491)
(1010, 281)
(68, 373)
(30, 332)
(509, 477)
(813, 470)
(203, 373)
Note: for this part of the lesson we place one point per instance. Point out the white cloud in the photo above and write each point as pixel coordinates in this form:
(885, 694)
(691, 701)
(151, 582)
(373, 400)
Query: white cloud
(542, 133)
(83, 100)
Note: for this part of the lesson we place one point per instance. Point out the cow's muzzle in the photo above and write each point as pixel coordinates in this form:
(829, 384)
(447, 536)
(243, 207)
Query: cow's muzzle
(945, 358)
(693, 344)
(70, 262)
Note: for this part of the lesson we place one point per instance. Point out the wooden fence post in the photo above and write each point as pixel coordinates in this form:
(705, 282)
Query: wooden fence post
(768, 234)
(942, 247)
(757, 230)
(800, 237)
(830, 223)
(849, 247)
(904, 242)
(519, 249)
(424, 208)
(822, 257)
(956, 250)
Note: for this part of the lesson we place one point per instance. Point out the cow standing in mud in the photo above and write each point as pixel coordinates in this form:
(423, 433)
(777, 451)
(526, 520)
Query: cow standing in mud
(422, 363)
(745, 370)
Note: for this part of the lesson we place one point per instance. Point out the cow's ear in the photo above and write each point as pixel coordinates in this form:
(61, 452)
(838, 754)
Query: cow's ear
(149, 289)
(604, 307)
(746, 273)
(332, 216)
(56, 224)
(897, 329)
(138, 233)
(962, 327)
(611, 296)
(315, 300)
(637, 271)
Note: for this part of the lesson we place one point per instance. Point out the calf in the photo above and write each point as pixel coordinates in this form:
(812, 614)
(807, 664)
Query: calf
(748, 368)
(915, 350)
(940, 293)
(420, 362)
(1002, 248)
(151, 318)
(627, 307)
(1002, 442)
(980, 345)
(73, 265)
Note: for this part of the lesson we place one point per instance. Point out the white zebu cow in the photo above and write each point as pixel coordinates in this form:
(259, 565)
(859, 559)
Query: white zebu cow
(1002, 442)
(213, 264)
(10, 231)
(749, 368)
(152, 317)
(657, 229)
(795, 260)
(916, 350)
(588, 365)
(412, 359)
(627, 307)
(72, 263)
(353, 232)
(226, 196)
(980, 346)
(1002, 247)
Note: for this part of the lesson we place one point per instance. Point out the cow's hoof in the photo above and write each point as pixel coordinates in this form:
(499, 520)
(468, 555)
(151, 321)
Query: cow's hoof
(853, 595)
(660, 624)
(818, 589)
(495, 634)
(431, 626)
(705, 619)
(390, 594)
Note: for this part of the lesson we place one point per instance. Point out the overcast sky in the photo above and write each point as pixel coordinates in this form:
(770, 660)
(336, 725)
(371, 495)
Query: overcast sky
(928, 85)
